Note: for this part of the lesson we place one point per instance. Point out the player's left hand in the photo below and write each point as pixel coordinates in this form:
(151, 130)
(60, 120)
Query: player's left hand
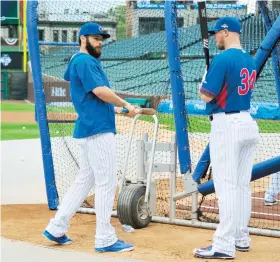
(205, 73)
(132, 110)
(203, 79)
(204, 76)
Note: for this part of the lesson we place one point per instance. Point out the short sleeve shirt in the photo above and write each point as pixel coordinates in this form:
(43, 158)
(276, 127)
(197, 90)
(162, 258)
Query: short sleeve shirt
(95, 116)
(230, 79)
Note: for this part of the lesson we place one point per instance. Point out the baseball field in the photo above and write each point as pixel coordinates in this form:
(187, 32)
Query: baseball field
(18, 121)
(157, 242)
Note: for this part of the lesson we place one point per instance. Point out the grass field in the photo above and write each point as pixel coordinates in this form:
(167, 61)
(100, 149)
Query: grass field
(195, 123)
(10, 131)
(201, 124)
(10, 107)
(13, 131)
(55, 109)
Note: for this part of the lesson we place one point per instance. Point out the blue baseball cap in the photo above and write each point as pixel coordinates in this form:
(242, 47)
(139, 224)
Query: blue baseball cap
(93, 29)
(230, 23)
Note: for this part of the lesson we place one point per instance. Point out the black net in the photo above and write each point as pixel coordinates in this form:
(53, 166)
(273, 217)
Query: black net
(135, 61)
(264, 95)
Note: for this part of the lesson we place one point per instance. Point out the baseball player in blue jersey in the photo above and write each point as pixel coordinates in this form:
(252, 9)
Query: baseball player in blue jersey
(227, 90)
(95, 130)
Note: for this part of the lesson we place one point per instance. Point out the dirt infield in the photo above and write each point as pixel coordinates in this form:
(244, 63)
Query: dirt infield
(158, 242)
(17, 117)
(11, 101)
(29, 117)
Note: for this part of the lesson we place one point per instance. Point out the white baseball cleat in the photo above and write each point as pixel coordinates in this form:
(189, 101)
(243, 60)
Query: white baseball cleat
(243, 246)
(208, 252)
(270, 202)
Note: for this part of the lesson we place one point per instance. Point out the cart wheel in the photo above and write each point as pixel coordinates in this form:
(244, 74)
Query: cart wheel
(132, 209)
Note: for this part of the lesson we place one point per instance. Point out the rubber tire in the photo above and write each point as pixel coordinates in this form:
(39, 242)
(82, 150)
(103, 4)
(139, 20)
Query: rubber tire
(127, 206)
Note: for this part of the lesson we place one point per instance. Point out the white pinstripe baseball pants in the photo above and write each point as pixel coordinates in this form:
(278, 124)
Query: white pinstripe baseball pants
(233, 141)
(274, 187)
(97, 167)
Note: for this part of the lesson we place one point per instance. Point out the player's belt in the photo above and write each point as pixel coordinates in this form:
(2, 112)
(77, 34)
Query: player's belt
(227, 113)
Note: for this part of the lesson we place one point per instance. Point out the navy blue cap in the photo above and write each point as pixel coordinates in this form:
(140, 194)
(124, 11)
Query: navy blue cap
(230, 23)
(93, 29)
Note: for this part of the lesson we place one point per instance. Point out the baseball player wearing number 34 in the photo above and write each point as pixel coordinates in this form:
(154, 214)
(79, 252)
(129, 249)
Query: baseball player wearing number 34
(227, 90)
(95, 130)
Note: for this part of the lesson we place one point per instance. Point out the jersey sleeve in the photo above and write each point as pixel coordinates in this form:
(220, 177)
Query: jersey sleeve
(215, 77)
(90, 75)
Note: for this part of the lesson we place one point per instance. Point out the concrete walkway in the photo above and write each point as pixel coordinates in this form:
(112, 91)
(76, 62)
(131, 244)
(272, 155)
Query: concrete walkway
(19, 251)
(22, 175)
(22, 182)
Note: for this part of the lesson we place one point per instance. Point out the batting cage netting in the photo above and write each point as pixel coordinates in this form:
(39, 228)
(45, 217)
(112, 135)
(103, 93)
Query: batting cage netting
(264, 105)
(135, 60)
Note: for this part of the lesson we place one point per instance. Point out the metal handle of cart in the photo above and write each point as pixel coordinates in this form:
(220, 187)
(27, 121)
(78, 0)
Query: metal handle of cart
(150, 170)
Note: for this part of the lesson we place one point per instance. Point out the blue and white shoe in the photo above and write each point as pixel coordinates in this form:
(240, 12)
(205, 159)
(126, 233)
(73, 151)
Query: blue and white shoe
(64, 240)
(208, 252)
(119, 246)
(270, 202)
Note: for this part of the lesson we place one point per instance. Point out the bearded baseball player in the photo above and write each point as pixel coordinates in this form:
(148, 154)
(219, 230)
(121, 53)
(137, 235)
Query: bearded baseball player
(95, 130)
(227, 90)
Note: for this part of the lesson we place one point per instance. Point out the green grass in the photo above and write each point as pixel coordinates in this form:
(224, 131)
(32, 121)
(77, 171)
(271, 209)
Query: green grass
(198, 124)
(195, 123)
(56, 109)
(14, 107)
(269, 126)
(202, 124)
(13, 131)
(61, 129)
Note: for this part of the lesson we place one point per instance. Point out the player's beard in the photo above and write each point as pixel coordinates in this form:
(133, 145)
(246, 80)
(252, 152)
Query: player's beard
(221, 45)
(93, 51)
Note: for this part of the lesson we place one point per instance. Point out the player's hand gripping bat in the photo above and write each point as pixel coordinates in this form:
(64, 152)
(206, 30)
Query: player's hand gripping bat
(141, 111)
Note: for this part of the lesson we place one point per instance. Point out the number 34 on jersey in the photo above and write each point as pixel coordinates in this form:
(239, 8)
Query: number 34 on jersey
(247, 82)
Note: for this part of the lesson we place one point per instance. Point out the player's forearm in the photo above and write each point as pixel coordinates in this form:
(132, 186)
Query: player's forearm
(107, 95)
(205, 97)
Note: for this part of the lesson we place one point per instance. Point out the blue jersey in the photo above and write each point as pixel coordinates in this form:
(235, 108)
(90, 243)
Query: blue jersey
(230, 79)
(94, 115)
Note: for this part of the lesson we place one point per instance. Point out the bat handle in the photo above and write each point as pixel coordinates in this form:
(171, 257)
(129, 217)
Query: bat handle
(124, 110)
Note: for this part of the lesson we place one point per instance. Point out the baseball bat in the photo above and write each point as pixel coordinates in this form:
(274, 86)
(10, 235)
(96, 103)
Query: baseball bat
(142, 111)
(204, 31)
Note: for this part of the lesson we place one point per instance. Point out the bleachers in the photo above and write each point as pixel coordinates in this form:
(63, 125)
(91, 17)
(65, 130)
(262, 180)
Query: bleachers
(253, 33)
(135, 47)
(124, 63)
(142, 45)
(151, 77)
